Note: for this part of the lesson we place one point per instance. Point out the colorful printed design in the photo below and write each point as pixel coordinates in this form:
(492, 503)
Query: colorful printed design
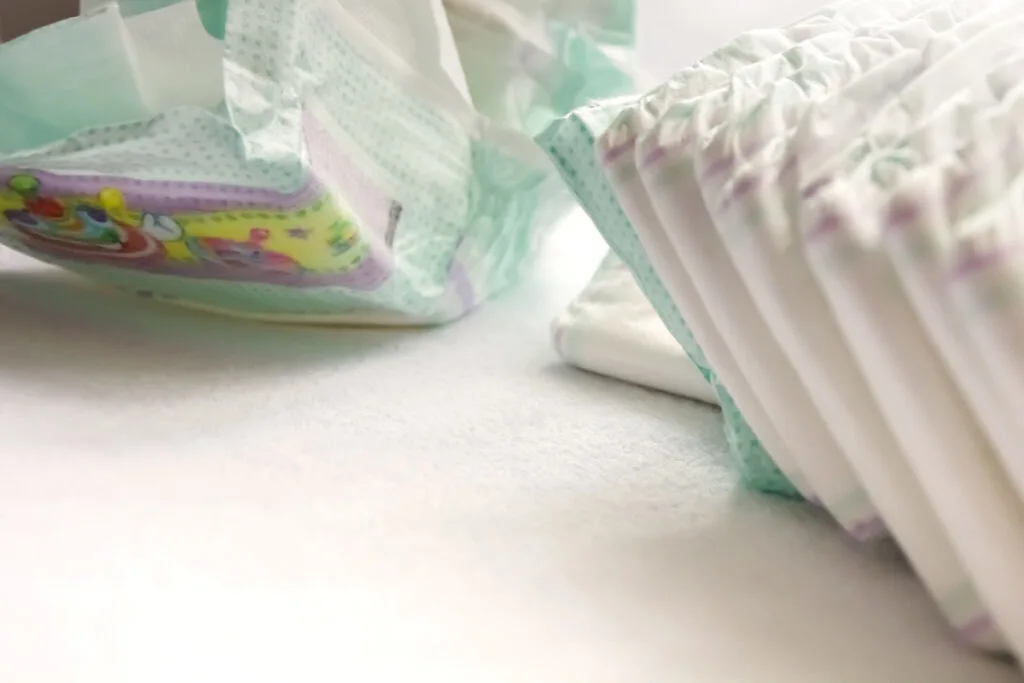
(195, 231)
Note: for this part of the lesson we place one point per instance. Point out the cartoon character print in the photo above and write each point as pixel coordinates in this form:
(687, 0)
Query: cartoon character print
(343, 237)
(252, 254)
(305, 246)
(87, 230)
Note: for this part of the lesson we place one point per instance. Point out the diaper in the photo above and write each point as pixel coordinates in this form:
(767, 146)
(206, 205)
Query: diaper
(864, 298)
(667, 153)
(920, 243)
(752, 213)
(942, 111)
(324, 161)
(983, 274)
(617, 154)
(611, 329)
(982, 278)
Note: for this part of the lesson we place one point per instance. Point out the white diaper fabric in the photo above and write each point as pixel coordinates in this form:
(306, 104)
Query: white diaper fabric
(611, 329)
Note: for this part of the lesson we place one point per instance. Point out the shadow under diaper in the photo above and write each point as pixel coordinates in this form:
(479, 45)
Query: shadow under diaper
(56, 329)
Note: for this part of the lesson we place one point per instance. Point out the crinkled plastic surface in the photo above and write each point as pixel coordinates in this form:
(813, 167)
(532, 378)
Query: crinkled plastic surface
(529, 62)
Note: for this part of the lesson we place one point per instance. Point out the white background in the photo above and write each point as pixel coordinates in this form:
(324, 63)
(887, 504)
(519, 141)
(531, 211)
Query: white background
(185, 498)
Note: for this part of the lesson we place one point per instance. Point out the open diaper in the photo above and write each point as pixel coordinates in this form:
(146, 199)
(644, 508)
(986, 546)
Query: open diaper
(310, 160)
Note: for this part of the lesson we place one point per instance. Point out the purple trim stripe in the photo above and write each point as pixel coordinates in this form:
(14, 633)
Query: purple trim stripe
(974, 630)
(868, 529)
(901, 215)
(826, 225)
(719, 166)
(656, 155)
(969, 263)
(616, 151)
(459, 281)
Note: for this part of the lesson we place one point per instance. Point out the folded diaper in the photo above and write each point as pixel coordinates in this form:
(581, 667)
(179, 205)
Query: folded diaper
(944, 441)
(836, 198)
(980, 212)
(571, 142)
(891, 344)
(612, 329)
(309, 160)
(665, 155)
(921, 242)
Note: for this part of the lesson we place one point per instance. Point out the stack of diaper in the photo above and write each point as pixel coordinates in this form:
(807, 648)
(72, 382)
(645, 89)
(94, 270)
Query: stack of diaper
(828, 219)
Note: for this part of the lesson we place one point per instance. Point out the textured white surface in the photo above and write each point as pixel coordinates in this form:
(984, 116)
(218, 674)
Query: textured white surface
(189, 498)
(186, 498)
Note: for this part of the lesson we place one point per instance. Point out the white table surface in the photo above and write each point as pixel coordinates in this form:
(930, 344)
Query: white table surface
(187, 498)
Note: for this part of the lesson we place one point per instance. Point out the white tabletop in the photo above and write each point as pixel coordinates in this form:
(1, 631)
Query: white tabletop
(188, 498)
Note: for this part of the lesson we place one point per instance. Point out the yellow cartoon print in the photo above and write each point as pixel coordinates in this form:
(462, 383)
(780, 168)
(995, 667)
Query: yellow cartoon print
(312, 244)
